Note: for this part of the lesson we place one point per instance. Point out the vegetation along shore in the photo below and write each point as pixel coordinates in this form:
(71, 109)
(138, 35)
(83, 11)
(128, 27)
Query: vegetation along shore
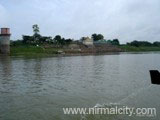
(38, 45)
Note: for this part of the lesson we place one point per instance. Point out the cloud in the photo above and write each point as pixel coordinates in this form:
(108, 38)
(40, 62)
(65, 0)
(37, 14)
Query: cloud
(124, 19)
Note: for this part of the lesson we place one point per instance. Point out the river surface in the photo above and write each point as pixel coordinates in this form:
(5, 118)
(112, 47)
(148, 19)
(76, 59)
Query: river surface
(38, 88)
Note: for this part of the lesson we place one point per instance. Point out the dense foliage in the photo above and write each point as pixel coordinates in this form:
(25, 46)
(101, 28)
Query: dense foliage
(97, 37)
(37, 39)
(113, 42)
(143, 43)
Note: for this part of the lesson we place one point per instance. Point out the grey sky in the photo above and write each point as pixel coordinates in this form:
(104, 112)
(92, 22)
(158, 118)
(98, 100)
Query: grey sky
(126, 20)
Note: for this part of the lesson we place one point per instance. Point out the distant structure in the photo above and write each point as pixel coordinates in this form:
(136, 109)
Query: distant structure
(5, 41)
(101, 41)
(87, 41)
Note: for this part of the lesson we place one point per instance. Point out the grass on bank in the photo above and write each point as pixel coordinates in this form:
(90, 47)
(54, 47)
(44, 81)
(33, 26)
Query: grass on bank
(41, 51)
(32, 51)
(127, 48)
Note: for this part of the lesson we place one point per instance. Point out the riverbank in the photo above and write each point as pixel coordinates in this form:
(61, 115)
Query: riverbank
(42, 51)
(32, 51)
(127, 48)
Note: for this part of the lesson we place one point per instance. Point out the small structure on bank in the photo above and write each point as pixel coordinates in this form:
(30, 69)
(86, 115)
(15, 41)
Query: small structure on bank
(101, 41)
(5, 41)
(87, 41)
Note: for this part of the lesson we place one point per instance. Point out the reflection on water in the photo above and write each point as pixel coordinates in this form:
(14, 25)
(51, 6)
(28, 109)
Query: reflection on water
(6, 66)
(39, 88)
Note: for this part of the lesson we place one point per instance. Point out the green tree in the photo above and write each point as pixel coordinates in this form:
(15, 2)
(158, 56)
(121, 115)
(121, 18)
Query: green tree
(157, 43)
(28, 39)
(134, 43)
(68, 41)
(35, 29)
(94, 37)
(36, 34)
(59, 40)
(82, 38)
(109, 42)
(115, 42)
(139, 43)
(97, 37)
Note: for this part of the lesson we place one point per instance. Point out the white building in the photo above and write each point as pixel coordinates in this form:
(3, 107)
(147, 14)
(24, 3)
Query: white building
(87, 41)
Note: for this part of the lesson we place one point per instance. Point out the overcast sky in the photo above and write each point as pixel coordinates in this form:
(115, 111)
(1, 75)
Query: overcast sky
(126, 20)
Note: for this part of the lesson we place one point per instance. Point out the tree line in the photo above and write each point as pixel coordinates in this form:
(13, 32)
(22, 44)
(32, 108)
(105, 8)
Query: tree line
(36, 38)
(144, 43)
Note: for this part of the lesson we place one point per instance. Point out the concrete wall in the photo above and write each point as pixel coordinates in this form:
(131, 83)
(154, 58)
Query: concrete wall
(5, 44)
(88, 41)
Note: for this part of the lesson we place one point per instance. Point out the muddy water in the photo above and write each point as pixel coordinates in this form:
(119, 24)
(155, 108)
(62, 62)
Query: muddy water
(38, 88)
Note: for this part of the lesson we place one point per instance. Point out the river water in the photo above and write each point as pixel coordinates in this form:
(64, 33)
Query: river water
(38, 88)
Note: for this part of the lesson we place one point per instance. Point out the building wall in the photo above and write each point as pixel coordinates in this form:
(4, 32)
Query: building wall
(88, 41)
(5, 44)
(4, 40)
